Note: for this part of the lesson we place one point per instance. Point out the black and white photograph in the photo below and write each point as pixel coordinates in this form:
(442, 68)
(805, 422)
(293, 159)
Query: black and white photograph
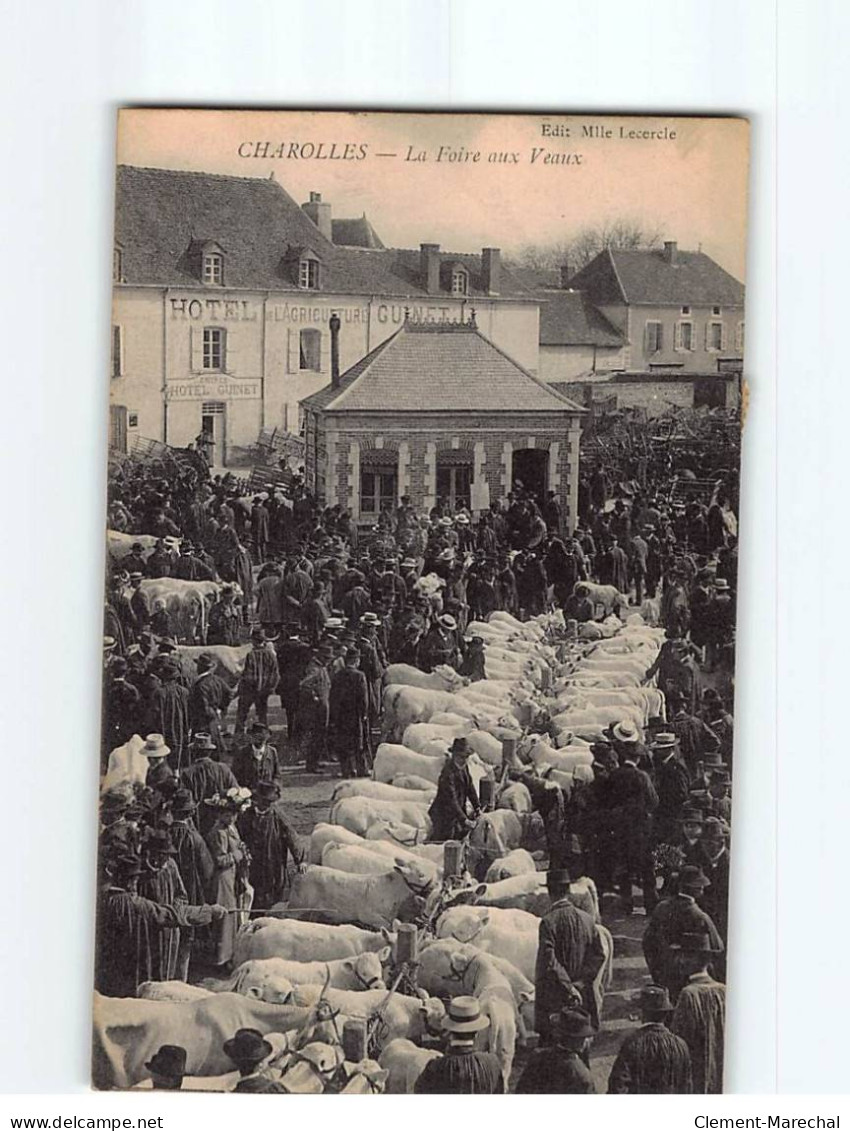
(418, 752)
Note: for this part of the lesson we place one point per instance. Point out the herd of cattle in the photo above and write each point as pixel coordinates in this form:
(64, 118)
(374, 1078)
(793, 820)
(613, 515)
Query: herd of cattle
(333, 951)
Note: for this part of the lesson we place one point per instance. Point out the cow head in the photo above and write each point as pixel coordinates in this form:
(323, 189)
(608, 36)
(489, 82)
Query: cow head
(433, 1011)
(311, 1069)
(367, 968)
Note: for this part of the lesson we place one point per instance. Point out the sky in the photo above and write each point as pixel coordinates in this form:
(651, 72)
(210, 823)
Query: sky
(692, 187)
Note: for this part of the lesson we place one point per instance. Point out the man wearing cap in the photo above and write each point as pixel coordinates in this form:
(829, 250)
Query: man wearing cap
(260, 677)
(700, 1014)
(462, 1071)
(314, 694)
(652, 1061)
(161, 882)
(674, 916)
(672, 782)
(127, 928)
(194, 864)
(248, 1049)
(349, 713)
(256, 760)
(448, 812)
(630, 801)
(170, 707)
(562, 1068)
(473, 665)
(373, 664)
(270, 840)
(440, 644)
(569, 956)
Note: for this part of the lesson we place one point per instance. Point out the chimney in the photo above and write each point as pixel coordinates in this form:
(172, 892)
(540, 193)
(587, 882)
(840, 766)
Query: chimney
(319, 213)
(491, 270)
(334, 325)
(565, 272)
(429, 267)
(671, 252)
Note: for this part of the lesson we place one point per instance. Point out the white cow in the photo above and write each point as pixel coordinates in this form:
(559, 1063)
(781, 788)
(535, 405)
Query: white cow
(404, 1016)
(358, 813)
(301, 941)
(405, 705)
(510, 934)
(127, 765)
(443, 678)
(374, 857)
(380, 791)
(519, 862)
(361, 972)
(405, 1062)
(392, 761)
(384, 898)
(229, 661)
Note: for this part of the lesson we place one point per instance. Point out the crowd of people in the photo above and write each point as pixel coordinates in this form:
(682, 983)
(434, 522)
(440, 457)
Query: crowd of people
(319, 610)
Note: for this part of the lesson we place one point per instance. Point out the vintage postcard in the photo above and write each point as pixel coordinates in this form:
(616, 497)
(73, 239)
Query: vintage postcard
(419, 639)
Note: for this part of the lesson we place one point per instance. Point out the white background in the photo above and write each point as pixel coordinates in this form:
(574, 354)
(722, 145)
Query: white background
(66, 66)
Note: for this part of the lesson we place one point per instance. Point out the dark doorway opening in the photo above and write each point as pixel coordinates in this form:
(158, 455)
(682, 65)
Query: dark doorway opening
(531, 472)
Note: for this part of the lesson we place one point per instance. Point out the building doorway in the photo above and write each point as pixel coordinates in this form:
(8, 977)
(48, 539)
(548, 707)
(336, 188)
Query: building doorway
(531, 472)
(214, 429)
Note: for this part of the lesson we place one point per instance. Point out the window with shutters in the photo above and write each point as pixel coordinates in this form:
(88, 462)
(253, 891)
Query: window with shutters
(739, 338)
(654, 337)
(117, 264)
(460, 281)
(714, 337)
(310, 350)
(213, 269)
(117, 352)
(213, 348)
(308, 274)
(685, 336)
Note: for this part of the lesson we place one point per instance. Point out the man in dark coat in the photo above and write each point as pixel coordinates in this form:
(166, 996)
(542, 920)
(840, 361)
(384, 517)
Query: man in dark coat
(349, 713)
(695, 736)
(270, 841)
(462, 1071)
(292, 658)
(630, 801)
(673, 917)
(561, 1068)
(205, 777)
(171, 709)
(569, 956)
(224, 620)
(448, 811)
(260, 677)
(189, 566)
(121, 707)
(195, 865)
(257, 759)
(473, 667)
(652, 1061)
(128, 927)
(209, 698)
(672, 783)
(260, 528)
(440, 644)
(314, 692)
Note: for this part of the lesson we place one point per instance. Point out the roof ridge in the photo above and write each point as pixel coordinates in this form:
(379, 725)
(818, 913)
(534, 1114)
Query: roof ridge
(617, 275)
(365, 362)
(531, 376)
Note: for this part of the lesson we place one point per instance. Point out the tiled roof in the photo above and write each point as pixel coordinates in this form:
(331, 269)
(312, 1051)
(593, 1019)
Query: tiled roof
(356, 232)
(439, 368)
(644, 276)
(569, 318)
(162, 215)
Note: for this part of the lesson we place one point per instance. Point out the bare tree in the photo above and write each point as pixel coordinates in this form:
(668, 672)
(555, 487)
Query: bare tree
(578, 249)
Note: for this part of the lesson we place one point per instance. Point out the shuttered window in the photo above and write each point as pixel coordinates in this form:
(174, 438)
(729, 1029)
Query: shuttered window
(654, 337)
(684, 336)
(213, 348)
(714, 337)
(117, 363)
(310, 350)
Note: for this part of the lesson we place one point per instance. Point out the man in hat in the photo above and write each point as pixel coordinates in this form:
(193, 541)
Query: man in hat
(260, 677)
(190, 567)
(260, 528)
(448, 810)
(161, 882)
(121, 707)
(716, 868)
(652, 1061)
(292, 658)
(128, 926)
(672, 782)
(248, 1049)
(700, 1014)
(224, 619)
(569, 956)
(209, 700)
(256, 760)
(373, 664)
(316, 613)
(205, 777)
(167, 1067)
(561, 1068)
(674, 916)
(719, 720)
(170, 706)
(160, 777)
(270, 840)
(630, 801)
(194, 864)
(695, 737)
(462, 1071)
(269, 596)
(440, 644)
(314, 692)
(349, 714)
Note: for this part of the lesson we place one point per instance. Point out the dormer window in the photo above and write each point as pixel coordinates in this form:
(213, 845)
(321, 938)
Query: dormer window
(308, 274)
(460, 281)
(117, 264)
(213, 268)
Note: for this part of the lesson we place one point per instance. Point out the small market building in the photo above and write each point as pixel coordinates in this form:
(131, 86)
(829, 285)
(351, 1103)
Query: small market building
(438, 412)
